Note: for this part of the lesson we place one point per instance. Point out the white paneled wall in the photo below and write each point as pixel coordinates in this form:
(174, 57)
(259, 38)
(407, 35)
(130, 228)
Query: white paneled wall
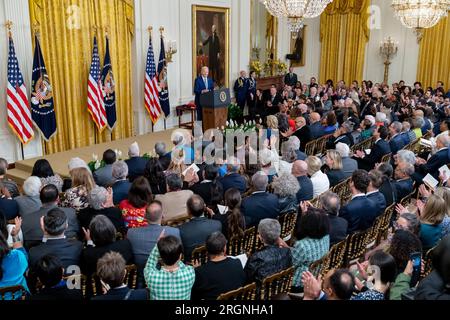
(17, 11)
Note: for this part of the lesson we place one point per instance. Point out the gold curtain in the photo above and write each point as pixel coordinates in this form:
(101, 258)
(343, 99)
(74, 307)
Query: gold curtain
(66, 29)
(344, 33)
(434, 55)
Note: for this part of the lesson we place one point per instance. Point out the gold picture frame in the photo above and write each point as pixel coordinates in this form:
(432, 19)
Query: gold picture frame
(203, 18)
(298, 46)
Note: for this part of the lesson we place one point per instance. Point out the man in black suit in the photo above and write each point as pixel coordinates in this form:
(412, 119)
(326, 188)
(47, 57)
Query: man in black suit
(440, 158)
(194, 233)
(343, 135)
(241, 86)
(54, 225)
(136, 163)
(272, 102)
(302, 132)
(300, 171)
(397, 142)
(360, 212)
(209, 189)
(403, 185)
(379, 149)
(331, 203)
(163, 156)
(291, 78)
(315, 126)
(260, 204)
(373, 192)
(214, 53)
(232, 178)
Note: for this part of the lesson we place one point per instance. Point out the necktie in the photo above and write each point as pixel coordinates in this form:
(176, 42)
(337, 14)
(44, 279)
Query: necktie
(206, 82)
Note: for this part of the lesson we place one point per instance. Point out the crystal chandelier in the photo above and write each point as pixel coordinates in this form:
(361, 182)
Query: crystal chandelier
(295, 10)
(420, 14)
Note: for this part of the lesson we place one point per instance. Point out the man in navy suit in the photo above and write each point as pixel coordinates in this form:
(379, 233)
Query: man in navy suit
(232, 178)
(403, 185)
(360, 212)
(315, 126)
(440, 158)
(397, 142)
(136, 164)
(373, 193)
(194, 233)
(122, 185)
(202, 85)
(261, 204)
(379, 149)
(300, 171)
(241, 87)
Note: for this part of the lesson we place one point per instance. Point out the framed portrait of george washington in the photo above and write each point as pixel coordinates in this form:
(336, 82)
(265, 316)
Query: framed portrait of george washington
(298, 48)
(211, 42)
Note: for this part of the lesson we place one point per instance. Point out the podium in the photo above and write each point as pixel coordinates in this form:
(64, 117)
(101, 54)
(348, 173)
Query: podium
(215, 108)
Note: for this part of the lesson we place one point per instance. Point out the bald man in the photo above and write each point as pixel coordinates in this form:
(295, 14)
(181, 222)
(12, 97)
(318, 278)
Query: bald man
(202, 85)
(315, 126)
(300, 171)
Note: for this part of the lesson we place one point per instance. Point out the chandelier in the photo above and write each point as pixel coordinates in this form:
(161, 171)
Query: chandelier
(295, 11)
(420, 14)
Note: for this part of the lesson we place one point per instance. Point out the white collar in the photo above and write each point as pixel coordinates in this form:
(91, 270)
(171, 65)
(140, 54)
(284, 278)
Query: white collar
(445, 148)
(358, 195)
(45, 239)
(258, 192)
(371, 192)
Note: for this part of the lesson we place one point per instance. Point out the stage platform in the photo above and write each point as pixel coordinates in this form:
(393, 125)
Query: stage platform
(60, 160)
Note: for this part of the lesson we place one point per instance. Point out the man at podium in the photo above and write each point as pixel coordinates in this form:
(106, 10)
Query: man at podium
(202, 85)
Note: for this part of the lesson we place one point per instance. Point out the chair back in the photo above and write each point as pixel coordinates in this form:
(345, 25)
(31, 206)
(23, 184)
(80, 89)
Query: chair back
(287, 222)
(176, 222)
(342, 189)
(96, 286)
(276, 284)
(363, 145)
(244, 293)
(200, 254)
(310, 148)
(13, 293)
(386, 158)
(336, 255)
(246, 244)
(320, 267)
(428, 260)
(356, 246)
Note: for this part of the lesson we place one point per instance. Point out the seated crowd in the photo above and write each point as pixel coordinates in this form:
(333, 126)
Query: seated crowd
(155, 213)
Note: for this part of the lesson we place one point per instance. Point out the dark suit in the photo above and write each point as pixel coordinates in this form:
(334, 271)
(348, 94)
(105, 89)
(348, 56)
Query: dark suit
(403, 188)
(360, 214)
(396, 143)
(405, 138)
(301, 155)
(68, 251)
(338, 229)
(90, 255)
(291, 79)
(113, 214)
(241, 86)
(199, 86)
(259, 206)
(349, 165)
(433, 164)
(388, 190)
(251, 103)
(121, 294)
(234, 180)
(204, 190)
(194, 233)
(136, 167)
(380, 148)
(316, 130)
(346, 138)
(165, 160)
(9, 208)
(273, 110)
(306, 191)
(335, 176)
(379, 200)
(103, 176)
(304, 135)
(120, 190)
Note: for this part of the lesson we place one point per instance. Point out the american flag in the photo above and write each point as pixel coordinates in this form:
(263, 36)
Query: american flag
(19, 115)
(151, 88)
(96, 105)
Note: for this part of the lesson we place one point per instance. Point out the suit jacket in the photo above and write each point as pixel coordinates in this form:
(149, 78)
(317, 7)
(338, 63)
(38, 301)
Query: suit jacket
(28, 204)
(346, 138)
(31, 225)
(9, 208)
(199, 86)
(360, 213)
(389, 192)
(290, 80)
(306, 191)
(241, 86)
(338, 229)
(68, 251)
(433, 164)
(120, 190)
(335, 176)
(103, 176)
(405, 138)
(403, 188)
(204, 190)
(380, 149)
(144, 239)
(174, 203)
(273, 110)
(259, 206)
(194, 233)
(234, 180)
(90, 255)
(316, 130)
(379, 200)
(349, 165)
(121, 293)
(396, 143)
(113, 214)
(165, 160)
(136, 167)
(301, 155)
(304, 135)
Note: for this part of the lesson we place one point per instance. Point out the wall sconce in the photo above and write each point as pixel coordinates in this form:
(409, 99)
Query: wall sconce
(171, 50)
(388, 49)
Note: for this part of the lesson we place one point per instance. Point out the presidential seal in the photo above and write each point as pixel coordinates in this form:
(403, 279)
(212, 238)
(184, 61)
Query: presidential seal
(109, 85)
(42, 92)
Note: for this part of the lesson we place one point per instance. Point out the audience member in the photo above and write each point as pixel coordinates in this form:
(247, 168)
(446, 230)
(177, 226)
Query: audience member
(233, 222)
(331, 204)
(77, 197)
(29, 201)
(133, 208)
(136, 164)
(286, 187)
(10, 185)
(44, 171)
(349, 165)
(103, 176)
(300, 171)
(319, 179)
(373, 192)
(121, 185)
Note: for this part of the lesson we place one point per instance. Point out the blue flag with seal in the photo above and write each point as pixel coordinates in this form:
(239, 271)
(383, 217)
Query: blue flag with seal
(162, 79)
(42, 107)
(109, 89)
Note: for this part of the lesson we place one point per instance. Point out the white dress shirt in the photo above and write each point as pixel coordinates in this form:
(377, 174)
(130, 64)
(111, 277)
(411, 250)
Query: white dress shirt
(320, 183)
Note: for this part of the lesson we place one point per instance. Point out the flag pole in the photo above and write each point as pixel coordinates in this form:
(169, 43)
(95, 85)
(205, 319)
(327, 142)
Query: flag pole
(93, 124)
(150, 30)
(107, 38)
(161, 30)
(8, 25)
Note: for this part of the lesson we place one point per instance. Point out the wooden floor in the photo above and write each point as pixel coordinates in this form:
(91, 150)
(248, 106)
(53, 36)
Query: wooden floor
(60, 160)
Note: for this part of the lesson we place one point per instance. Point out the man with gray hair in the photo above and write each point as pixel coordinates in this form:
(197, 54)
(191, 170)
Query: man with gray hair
(349, 165)
(405, 156)
(437, 160)
(331, 204)
(100, 202)
(10, 185)
(163, 155)
(260, 204)
(121, 185)
(296, 145)
(403, 184)
(396, 142)
(343, 134)
(233, 179)
(272, 258)
(300, 171)
(30, 201)
(136, 164)
(407, 134)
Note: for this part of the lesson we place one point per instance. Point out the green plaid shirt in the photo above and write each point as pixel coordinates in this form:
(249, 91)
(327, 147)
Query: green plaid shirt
(164, 285)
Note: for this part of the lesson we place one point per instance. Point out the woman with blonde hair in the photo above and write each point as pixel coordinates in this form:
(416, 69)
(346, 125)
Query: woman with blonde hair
(445, 194)
(335, 173)
(431, 214)
(318, 178)
(82, 183)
